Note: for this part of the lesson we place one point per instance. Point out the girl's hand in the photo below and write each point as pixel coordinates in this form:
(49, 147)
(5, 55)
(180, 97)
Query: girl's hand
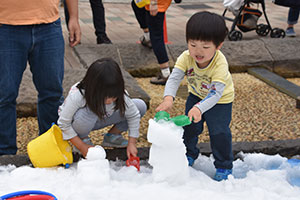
(84, 150)
(80, 145)
(153, 7)
(195, 115)
(131, 148)
(166, 105)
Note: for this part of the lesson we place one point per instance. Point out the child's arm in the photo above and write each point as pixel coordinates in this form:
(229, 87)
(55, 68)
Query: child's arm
(131, 148)
(80, 145)
(171, 88)
(214, 94)
(133, 118)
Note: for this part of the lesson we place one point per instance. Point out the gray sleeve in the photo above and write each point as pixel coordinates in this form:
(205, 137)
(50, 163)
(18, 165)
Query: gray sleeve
(71, 104)
(214, 94)
(133, 118)
(173, 82)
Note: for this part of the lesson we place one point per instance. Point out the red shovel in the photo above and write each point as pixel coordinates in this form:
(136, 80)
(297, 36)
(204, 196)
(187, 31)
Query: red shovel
(133, 161)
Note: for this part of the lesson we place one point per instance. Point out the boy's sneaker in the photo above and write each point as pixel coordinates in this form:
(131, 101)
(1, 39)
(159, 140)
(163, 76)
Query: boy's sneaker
(290, 32)
(222, 174)
(114, 140)
(146, 43)
(190, 160)
(86, 140)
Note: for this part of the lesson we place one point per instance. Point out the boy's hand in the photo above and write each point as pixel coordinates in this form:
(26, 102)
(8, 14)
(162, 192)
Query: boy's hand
(131, 148)
(166, 105)
(195, 115)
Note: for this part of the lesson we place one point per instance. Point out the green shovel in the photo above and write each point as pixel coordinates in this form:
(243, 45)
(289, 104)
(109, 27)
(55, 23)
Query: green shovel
(180, 120)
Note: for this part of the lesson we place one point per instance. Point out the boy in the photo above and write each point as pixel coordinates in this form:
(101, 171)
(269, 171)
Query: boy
(210, 87)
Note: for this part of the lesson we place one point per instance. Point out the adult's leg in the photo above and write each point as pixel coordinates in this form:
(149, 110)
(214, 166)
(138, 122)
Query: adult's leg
(140, 15)
(46, 61)
(192, 131)
(156, 28)
(218, 119)
(99, 21)
(15, 42)
(293, 16)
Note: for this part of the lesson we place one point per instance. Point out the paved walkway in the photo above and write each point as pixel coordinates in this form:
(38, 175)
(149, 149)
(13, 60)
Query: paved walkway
(122, 27)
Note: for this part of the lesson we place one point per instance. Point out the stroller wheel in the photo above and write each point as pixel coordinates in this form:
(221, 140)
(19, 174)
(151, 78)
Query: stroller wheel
(277, 33)
(235, 35)
(262, 29)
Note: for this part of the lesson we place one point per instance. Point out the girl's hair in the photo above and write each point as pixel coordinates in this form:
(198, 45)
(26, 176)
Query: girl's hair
(206, 26)
(103, 80)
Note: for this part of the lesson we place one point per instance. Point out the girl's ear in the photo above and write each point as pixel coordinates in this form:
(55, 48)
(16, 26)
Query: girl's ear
(220, 45)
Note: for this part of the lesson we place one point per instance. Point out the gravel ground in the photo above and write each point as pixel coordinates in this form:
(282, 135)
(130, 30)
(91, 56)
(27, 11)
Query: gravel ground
(260, 112)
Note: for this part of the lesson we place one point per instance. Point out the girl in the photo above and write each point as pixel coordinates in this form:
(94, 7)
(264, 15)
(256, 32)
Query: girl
(100, 100)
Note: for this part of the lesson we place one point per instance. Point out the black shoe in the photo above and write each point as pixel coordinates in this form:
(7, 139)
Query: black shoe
(103, 39)
(159, 80)
(146, 43)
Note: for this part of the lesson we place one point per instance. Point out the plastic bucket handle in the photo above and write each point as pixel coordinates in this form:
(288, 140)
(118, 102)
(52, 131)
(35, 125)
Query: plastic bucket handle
(26, 192)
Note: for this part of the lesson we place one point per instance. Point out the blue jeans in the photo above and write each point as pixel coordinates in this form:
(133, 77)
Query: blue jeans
(43, 47)
(293, 16)
(217, 119)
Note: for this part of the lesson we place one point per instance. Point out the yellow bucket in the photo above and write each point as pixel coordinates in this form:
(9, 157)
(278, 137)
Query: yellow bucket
(141, 3)
(49, 149)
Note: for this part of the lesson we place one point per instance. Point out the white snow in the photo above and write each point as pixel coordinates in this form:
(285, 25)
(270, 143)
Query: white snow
(167, 152)
(256, 177)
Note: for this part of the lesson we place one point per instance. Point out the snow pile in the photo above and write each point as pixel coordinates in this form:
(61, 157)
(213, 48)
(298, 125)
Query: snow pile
(256, 176)
(167, 152)
(95, 162)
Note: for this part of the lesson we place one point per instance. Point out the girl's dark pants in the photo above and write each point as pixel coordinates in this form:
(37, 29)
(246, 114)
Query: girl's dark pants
(217, 119)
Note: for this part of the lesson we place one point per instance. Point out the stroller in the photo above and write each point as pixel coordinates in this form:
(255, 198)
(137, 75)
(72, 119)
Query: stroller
(246, 18)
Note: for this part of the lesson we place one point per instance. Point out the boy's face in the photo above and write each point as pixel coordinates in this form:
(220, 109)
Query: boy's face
(202, 51)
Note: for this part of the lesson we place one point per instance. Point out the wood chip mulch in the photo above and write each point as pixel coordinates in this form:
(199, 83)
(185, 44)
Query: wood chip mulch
(260, 112)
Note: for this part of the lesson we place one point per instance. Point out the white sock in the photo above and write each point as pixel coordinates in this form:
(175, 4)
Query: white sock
(165, 72)
(147, 36)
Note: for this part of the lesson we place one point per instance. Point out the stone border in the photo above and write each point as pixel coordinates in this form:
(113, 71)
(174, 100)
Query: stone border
(277, 82)
(286, 148)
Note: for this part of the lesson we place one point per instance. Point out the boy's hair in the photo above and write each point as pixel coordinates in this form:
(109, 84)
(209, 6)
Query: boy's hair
(103, 80)
(206, 26)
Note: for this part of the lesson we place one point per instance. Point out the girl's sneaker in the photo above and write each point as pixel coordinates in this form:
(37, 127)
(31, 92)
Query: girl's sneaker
(114, 140)
(222, 174)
